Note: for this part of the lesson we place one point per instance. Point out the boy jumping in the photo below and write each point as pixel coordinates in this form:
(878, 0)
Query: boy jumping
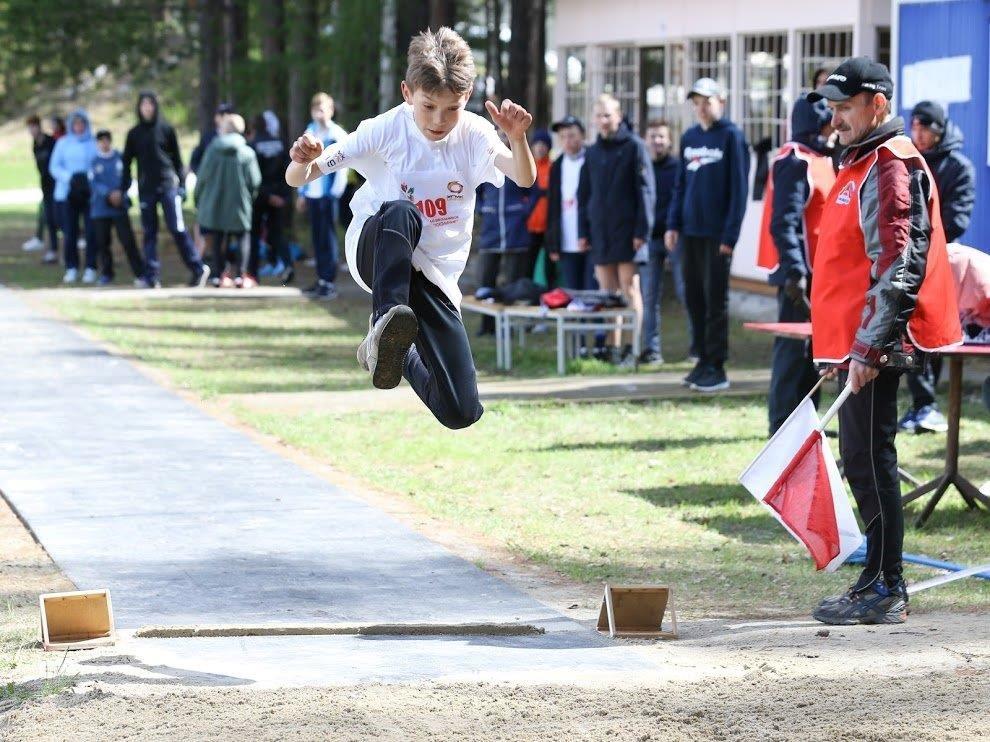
(411, 233)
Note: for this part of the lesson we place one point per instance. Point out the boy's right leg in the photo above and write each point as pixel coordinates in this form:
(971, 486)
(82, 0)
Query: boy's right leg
(70, 235)
(149, 226)
(101, 238)
(125, 234)
(693, 264)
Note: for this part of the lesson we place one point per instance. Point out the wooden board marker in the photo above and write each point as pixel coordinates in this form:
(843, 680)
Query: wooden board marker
(637, 611)
(76, 620)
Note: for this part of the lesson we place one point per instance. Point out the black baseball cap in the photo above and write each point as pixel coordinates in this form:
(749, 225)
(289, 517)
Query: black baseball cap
(855, 75)
(103, 134)
(931, 114)
(224, 108)
(568, 120)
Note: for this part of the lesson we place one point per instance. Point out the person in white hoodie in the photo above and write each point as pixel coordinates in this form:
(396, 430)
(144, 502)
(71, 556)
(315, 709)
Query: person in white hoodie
(321, 198)
(69, 166)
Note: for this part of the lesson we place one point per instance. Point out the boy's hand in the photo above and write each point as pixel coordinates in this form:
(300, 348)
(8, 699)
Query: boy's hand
(306, 149)
(511, 118)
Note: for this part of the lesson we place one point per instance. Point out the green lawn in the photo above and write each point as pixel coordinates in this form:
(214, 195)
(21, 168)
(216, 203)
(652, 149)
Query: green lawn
(17, 167)
(618, 491)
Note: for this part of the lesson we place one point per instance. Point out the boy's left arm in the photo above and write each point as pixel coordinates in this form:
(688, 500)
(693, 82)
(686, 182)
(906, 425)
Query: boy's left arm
(515, 121)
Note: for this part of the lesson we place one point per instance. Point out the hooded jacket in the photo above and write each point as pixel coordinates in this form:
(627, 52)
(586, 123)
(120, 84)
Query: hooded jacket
(72, 154)
(616, 192)
(155, 147)
(228, 180)
(955, 179)
(712, 183)
(273, 159)
(42, 150)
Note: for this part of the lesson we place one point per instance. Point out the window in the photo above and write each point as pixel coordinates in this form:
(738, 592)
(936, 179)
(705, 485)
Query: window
(883, 45)
(766, 100)
(575, 71)
(662, 92)
(822, 50)
(619, 79)
(709, 58)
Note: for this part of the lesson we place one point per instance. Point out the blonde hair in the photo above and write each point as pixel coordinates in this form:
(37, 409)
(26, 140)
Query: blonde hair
(320, 99)
(233, 123)
(440, 60)
(608, 101)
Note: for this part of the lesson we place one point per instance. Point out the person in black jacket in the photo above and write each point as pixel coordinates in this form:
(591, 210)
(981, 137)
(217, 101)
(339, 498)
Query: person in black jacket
(615, 208)
(574, 270)
(940, 141)
(665, 166)
(269, 206)
(152, 142)
(706, 214)
(42, 145)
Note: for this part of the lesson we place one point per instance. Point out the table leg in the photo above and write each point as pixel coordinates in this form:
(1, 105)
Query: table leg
(498, 342)
(943, 485)
(507, 342)
(561, 366)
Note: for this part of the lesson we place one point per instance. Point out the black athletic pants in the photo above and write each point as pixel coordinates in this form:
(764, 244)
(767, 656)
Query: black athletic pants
(439, 366)
(792, 370)
(101, 233)
(867, 426)
(924, 382)
(706, 289)
(264, 214)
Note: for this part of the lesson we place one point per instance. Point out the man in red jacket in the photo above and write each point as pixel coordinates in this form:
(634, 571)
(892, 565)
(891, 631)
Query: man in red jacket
(882, 284)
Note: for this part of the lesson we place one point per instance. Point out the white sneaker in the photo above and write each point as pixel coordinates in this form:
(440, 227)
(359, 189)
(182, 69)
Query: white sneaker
(71, 275)
(51, 258)
(203, 277)
(32, 244)
(89, 276)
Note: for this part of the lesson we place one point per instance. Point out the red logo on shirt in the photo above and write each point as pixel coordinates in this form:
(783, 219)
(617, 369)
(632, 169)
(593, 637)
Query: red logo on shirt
(846, 194)
(408, 191)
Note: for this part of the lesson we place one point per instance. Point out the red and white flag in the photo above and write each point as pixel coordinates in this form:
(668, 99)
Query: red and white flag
(795, 476)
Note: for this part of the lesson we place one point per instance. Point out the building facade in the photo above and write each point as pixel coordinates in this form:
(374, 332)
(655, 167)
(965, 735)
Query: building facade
(647, 53)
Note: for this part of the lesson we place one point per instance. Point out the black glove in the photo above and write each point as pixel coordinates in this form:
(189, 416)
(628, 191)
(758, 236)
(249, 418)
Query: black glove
(796, 289)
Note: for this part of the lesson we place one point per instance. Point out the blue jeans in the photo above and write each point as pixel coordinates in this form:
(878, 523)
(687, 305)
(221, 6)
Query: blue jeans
(323, 223)
(651, 284)
(171, 204)
(69, 217)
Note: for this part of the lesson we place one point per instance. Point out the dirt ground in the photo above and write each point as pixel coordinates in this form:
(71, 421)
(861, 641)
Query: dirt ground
(928, 679)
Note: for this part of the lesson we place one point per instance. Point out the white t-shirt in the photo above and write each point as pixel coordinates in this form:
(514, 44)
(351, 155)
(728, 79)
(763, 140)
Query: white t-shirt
(440, 178)
(570, 175)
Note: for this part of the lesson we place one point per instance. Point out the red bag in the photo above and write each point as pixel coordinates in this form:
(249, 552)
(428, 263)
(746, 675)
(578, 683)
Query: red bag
(556, 299)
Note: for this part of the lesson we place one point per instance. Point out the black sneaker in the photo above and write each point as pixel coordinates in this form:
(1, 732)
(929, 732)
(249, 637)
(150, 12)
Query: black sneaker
(650, 358)
(383, 351)
(874, 604)
(312, 288)
(693, 375)
(711, 380)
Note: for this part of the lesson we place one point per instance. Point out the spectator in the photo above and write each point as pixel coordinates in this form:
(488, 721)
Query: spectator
(108, 209)
(615, 208)
(152, 142)
(58, 127)
(800, 179)
(273, 195)
(42, 146)
(706, 213)
(207, 136)
(537, 222)
(562, 242)
(69, 166)
(321, 198)
(940, 142)
(228, 181)
(504, 234)
(665, 165)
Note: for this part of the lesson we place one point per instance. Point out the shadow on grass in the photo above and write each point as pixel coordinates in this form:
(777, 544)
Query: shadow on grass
(702, 493)
(647, 445)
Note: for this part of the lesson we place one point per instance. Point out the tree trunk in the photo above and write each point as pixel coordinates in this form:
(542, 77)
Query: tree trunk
(273, 52)
(442, 13)
(493, 47)
(302, 21)
(209, 59)
(527, 46)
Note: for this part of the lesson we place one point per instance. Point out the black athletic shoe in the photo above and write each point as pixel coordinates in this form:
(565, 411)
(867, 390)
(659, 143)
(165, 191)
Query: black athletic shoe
(312, 288)
(693, 375)
(711, 380)
(383, 351)
(326, 291)
(874, 604)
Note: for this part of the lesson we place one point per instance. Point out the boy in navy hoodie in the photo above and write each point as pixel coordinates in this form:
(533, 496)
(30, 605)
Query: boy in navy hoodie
(108, 209)
(707, 211)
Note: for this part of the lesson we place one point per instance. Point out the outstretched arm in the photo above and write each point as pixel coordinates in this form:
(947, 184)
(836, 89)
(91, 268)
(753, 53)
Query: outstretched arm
(303, 168)
(514, 120)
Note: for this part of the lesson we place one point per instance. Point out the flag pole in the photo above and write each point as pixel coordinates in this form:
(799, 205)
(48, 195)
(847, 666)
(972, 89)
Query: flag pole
(843, 396)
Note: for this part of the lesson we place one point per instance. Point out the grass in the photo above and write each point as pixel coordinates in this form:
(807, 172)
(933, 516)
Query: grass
(18, 169)
(618, 491)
